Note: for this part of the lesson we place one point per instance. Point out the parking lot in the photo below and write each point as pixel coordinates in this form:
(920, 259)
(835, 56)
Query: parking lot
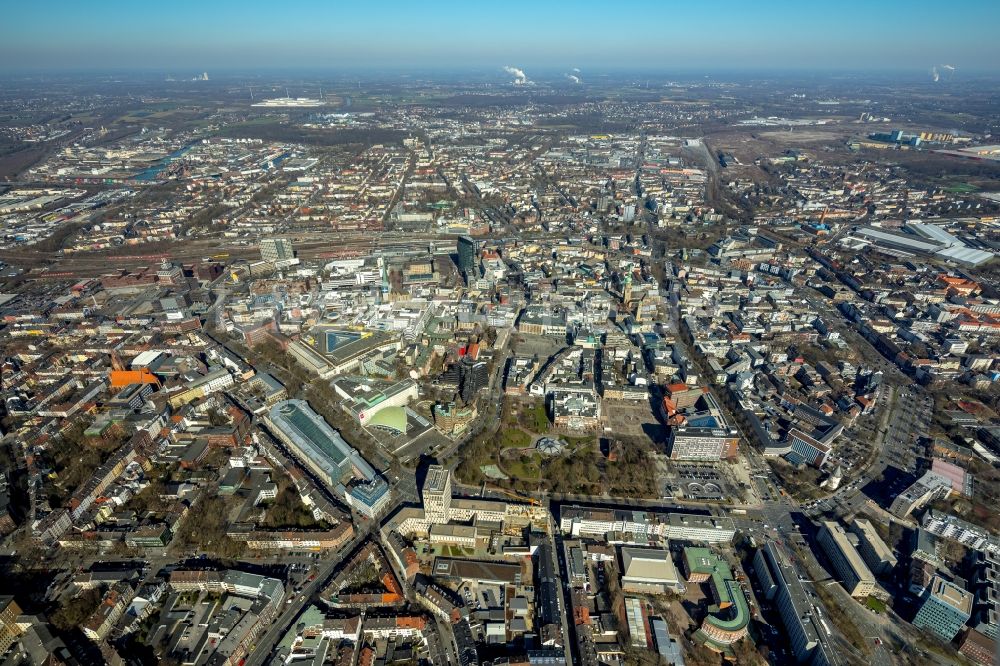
(898, 464)
(542, 346)
(857, 443)
(910, 422)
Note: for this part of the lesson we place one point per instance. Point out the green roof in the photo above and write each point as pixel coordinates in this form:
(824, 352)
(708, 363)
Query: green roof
(393, 418)
(374, 400)
(736, 613)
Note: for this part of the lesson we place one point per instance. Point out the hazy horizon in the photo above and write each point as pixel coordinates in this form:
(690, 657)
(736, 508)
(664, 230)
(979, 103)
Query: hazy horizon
(183, 38)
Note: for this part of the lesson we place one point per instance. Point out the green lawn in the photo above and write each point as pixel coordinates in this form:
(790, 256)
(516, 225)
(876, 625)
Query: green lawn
(517, 469)
(875, 604)
(539, 418)
(581, 443)
(458, 551)
(514, 437)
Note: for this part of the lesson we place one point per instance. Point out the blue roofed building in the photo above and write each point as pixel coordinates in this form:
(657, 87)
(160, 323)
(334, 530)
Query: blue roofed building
(325, 453)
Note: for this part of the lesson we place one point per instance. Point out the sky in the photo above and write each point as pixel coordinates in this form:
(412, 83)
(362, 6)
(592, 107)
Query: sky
(181, 36)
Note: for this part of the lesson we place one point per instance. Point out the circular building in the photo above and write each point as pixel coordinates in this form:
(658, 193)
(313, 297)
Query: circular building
(549, 446)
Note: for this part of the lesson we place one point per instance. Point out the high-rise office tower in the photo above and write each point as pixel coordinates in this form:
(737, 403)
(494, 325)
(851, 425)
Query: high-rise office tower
(467, 257)
(437, 494)
(275, 250)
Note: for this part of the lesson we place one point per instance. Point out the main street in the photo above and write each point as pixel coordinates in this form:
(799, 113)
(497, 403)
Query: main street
(266, 643)
(850, 497)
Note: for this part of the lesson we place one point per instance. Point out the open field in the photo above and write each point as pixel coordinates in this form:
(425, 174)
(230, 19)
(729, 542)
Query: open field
(802, 135)
(636, 420)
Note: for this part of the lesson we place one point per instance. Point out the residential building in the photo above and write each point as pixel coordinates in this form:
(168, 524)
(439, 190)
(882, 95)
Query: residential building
(97, 626)
(979, 648)
(10, 630)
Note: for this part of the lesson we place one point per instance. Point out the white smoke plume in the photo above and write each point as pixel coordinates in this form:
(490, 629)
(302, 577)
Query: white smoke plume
(520, 78)
(941, 71)
(574, 78)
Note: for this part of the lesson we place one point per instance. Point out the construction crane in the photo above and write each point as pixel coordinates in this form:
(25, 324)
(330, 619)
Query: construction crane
(515, 495)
